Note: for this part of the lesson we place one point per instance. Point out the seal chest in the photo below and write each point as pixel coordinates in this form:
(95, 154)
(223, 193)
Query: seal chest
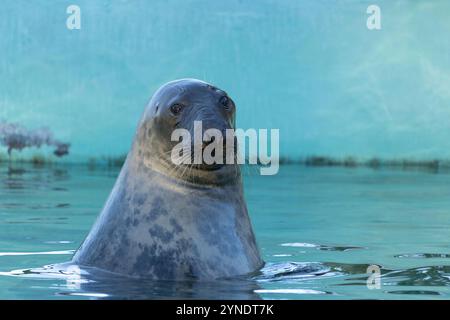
(175, 221)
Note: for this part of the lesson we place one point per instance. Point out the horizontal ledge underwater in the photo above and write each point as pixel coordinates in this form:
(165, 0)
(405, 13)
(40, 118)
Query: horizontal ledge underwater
(434, 165)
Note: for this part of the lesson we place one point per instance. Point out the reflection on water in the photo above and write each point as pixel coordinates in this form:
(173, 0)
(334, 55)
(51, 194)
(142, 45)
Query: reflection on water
(94, 283)
(2, 254)
(319, 230)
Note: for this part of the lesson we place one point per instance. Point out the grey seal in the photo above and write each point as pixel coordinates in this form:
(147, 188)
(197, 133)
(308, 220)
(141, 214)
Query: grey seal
(168, 222)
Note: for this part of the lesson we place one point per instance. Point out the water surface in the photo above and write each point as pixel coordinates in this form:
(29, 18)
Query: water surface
(318, 229)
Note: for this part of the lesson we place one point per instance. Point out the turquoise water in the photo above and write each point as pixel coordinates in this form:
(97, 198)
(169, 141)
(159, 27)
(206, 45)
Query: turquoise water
(308, 67)
(318, 230)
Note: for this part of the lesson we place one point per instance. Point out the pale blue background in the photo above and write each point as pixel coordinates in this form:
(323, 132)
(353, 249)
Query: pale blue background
(308, 67)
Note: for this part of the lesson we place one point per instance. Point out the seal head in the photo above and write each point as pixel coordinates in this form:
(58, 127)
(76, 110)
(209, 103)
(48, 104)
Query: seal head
(179, 105)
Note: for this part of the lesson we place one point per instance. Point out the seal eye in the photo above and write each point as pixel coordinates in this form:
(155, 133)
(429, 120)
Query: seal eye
(225, 101)
(176, 108)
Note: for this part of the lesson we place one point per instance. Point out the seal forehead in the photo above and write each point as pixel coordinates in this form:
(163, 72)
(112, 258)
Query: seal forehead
(183, 85)
(188, 85)
(185, 88)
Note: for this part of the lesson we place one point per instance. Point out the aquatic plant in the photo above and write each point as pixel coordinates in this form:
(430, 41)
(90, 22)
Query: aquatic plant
(16, 137)
(375, 163)
(116, 161)
(92, 163)
(286, 160)
(350, 162)
(38, 160)
(321, 161)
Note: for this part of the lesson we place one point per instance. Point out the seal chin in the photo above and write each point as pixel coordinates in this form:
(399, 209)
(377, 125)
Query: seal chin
(204, 174)
(199, 174)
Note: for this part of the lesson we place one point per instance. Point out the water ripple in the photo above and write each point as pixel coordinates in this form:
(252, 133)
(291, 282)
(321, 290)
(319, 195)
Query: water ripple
(292, 291)
(292, 270)
(2, 254)
(319, 246)
(423, 255)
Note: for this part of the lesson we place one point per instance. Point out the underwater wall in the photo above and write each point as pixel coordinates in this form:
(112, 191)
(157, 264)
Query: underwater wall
(308, 67)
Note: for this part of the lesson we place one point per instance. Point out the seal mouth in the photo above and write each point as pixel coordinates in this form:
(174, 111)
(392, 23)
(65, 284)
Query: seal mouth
(205, 167)
(217, 164)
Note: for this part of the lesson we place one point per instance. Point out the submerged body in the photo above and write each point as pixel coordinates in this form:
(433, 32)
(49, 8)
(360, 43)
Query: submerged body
(172, 222)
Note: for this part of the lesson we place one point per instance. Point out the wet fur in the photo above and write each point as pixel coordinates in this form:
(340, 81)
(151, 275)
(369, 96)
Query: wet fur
(158, 223)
